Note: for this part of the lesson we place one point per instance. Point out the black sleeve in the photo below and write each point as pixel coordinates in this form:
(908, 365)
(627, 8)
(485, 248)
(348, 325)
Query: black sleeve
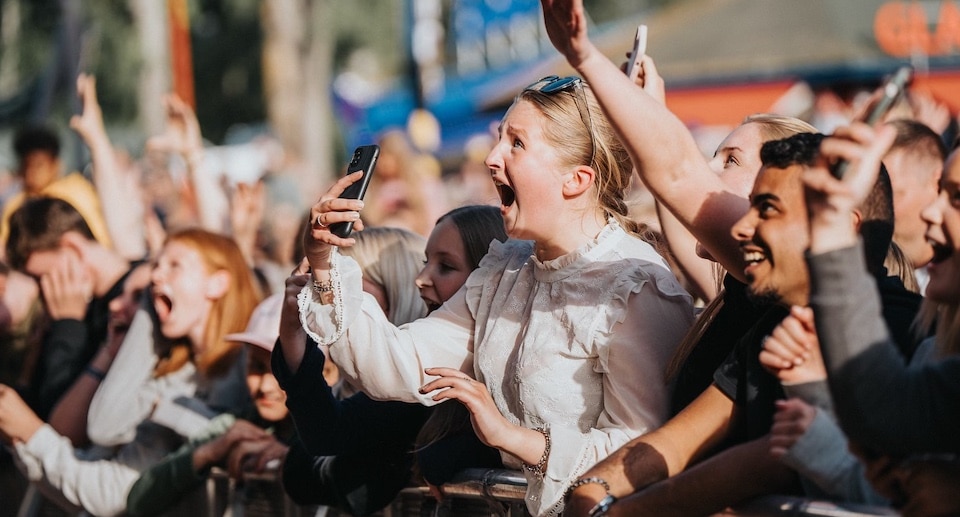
(62, 359)
(360, 483)
(329, 426)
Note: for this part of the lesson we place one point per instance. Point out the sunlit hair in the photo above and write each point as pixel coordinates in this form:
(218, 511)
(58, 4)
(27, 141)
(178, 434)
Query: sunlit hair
(775, 127)
(478, 226)
(392, 258)
(572, 142)
(228, 314)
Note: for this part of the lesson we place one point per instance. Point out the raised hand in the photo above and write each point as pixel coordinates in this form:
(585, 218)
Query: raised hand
(328, 210)
(566, 26)
(89, 123)
(182, 135)
(829, 200)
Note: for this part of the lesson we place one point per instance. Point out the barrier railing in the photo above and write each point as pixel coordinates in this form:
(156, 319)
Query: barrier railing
(471, 493)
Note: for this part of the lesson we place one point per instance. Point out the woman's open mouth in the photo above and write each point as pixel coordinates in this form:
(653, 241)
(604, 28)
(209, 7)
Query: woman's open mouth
(163, 305)
(507, 196)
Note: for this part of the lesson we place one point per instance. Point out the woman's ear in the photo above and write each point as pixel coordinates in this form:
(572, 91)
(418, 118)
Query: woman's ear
(578, 181)
(218, 284)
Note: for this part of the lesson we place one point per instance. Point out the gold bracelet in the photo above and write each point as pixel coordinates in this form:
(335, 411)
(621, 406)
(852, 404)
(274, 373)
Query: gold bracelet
(541, 467)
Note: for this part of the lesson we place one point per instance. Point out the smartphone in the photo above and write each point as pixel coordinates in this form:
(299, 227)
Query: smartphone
(891, 90)
(364, 159)
(639, 49)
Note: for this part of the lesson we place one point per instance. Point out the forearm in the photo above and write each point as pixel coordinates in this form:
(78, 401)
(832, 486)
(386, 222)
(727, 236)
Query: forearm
(69, 416)
(668, 160)
(731, 477)
(212, 203)
(701, 273)
(123, 218)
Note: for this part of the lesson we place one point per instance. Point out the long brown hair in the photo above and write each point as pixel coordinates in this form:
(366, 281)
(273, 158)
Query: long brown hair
(229, 313)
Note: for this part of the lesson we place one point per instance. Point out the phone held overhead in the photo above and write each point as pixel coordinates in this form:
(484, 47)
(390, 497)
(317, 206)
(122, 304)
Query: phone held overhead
(889, 92)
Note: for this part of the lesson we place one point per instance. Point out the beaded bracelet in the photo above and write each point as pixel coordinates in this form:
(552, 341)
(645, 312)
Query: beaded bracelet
(322, 287)
(579, 482)
(541, 467)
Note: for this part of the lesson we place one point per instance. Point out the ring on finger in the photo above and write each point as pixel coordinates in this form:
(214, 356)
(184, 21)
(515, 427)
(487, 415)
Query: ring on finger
(320, 221)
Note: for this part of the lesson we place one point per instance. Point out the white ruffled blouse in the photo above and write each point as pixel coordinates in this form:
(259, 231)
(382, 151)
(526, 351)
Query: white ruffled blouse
(577, 345)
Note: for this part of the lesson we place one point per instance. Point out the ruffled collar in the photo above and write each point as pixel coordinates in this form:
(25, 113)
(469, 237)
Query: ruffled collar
(565, 265)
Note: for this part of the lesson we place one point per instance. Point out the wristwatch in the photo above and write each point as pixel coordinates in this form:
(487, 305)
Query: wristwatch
(601, 508)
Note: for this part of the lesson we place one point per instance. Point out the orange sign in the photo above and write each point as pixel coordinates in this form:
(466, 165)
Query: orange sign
(902, 29)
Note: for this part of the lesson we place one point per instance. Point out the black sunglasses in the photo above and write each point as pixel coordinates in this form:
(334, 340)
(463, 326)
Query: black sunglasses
(552, 84)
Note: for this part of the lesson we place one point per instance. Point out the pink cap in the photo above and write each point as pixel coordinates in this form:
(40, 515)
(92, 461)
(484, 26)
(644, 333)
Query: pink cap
(264, 325)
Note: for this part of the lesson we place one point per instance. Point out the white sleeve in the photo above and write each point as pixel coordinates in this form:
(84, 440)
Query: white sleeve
(129, 393)
(122, 400)
(98, 486)
(383, 360)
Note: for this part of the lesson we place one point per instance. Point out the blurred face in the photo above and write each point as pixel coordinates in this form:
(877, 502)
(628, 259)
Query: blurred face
(265, 391)
(737, 159)
(915, 186)
(39, 169)
(773, 236)
(124, 307)
(446, 268)
(182, 295)
(943, 233)
(524, 167)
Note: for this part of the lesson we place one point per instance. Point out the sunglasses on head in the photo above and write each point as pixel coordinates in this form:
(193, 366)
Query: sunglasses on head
(552, 84)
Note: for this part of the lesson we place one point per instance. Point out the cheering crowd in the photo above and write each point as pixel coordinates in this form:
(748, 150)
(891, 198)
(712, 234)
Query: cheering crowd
(774, 329)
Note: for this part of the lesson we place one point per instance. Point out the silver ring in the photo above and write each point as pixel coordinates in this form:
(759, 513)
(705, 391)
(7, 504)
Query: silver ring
(320, 221)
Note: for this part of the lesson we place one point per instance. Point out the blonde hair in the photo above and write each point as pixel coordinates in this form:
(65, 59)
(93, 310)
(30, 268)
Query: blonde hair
(776, 127)
(228, 314)
(392, 258)
(574, 143)
(946, 317)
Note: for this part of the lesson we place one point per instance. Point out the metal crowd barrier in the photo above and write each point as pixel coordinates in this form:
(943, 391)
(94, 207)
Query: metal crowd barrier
(472, 493)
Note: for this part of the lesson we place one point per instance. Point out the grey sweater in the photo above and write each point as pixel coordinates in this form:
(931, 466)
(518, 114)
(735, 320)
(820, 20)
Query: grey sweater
(880, 403)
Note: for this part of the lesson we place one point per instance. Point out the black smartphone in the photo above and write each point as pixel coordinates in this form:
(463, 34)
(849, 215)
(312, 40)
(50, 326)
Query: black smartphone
(364, 159)
(891, 90)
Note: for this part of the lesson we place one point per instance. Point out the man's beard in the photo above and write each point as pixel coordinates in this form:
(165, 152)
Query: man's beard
(765, 296)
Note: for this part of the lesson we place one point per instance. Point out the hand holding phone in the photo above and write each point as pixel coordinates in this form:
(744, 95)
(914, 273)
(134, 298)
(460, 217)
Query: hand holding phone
(890, 91)
(364, 159)
(636, 55)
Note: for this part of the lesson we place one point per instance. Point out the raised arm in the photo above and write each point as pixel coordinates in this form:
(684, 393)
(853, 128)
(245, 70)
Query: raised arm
(120, 201)
(662, 149)
(870, 384)
(182, 137)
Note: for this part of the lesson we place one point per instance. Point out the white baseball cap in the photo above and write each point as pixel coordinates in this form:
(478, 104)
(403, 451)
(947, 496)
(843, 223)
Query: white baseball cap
(263, 329)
